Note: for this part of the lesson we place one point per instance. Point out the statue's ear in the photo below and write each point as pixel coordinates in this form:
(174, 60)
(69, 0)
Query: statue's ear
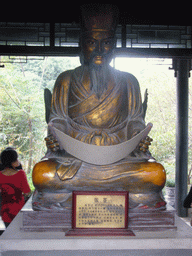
(145, 103)
(81, 41)
(81, 50)
(47, 99)
(115, 43)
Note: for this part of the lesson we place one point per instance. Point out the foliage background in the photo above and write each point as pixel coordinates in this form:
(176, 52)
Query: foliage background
(22, 111)
(22, 115)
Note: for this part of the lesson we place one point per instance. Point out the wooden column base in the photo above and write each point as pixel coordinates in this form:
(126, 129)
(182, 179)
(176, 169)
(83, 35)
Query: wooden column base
(99, 232)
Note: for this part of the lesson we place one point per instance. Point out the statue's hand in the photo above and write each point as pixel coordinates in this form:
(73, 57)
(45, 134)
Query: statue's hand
(142, 150)
(144, 144)
(52, 143)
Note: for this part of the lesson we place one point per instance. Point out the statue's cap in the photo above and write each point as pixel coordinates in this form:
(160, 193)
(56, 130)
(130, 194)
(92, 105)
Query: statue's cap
(99, 17)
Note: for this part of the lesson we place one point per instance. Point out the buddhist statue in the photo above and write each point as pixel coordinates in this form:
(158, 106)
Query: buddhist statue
(97, 105)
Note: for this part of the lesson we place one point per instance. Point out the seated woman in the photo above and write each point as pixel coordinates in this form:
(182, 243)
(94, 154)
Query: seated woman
(13, 185)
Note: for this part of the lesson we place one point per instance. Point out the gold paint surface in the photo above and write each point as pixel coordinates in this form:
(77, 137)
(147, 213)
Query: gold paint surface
(100, 211)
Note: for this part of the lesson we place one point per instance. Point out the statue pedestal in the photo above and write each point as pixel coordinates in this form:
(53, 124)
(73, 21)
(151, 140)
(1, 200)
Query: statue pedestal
(139, 220)
(43, 243)
(152, 220)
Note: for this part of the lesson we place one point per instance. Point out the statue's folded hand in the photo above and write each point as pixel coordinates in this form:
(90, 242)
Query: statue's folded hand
(52, 143)
(142, 150)
(145, 143)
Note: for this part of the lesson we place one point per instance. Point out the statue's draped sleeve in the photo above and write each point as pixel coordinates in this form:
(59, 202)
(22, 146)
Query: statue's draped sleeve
(59, 102)
(60, 95)
(135, 109)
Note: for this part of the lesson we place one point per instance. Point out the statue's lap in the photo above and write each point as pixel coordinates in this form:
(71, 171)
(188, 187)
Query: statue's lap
(144, 180)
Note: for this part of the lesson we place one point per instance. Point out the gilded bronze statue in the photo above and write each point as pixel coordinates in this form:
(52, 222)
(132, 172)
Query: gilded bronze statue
(98, 105)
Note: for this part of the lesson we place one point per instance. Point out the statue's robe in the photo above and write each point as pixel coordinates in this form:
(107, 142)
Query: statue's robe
(109, 120)
(113, 118)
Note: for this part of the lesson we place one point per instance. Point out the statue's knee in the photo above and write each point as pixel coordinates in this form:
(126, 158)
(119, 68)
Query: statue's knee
(155, 174)
(43, 173)
(158, 174)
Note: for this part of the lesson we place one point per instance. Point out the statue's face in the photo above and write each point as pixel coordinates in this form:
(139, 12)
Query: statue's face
(97, 47)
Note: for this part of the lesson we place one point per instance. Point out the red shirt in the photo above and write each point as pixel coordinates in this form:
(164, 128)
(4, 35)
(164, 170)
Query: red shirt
(12, 188)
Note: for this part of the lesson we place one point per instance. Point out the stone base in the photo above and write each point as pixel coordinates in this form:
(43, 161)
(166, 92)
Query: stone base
(168, 242)
(139, 220)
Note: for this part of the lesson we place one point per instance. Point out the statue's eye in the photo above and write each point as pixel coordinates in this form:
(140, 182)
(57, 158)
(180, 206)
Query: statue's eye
(91, 42)
(107, 42)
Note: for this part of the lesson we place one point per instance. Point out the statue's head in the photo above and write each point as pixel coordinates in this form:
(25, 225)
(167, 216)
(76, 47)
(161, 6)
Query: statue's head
(98, 27)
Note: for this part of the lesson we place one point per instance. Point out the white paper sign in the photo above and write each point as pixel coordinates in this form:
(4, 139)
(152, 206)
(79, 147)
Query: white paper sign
(98, 155)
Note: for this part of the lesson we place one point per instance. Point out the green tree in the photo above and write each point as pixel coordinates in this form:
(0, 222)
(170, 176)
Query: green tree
(21, 102)
(22, 115)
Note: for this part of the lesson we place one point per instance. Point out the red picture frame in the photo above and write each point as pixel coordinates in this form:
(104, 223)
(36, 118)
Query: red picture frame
(125, 194)
(103, 229)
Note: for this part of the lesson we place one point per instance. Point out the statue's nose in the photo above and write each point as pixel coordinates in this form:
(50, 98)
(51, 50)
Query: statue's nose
(99, 47)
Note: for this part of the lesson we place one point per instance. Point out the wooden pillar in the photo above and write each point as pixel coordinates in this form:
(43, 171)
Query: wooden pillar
(182, 68)
(52, 34)
(123, 36)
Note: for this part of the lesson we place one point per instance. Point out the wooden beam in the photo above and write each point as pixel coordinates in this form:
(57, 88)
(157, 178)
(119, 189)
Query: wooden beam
(39, 51)
(154, 53)
(75, 51)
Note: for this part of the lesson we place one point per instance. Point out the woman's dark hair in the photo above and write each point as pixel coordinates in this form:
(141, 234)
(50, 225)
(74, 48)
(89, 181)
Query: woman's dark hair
(8, 156)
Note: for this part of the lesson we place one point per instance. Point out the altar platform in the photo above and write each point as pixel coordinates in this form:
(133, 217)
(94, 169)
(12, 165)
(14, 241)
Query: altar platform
(172, 242)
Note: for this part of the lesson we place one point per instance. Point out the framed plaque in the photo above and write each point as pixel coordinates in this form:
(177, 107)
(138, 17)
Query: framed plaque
(100, 213)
